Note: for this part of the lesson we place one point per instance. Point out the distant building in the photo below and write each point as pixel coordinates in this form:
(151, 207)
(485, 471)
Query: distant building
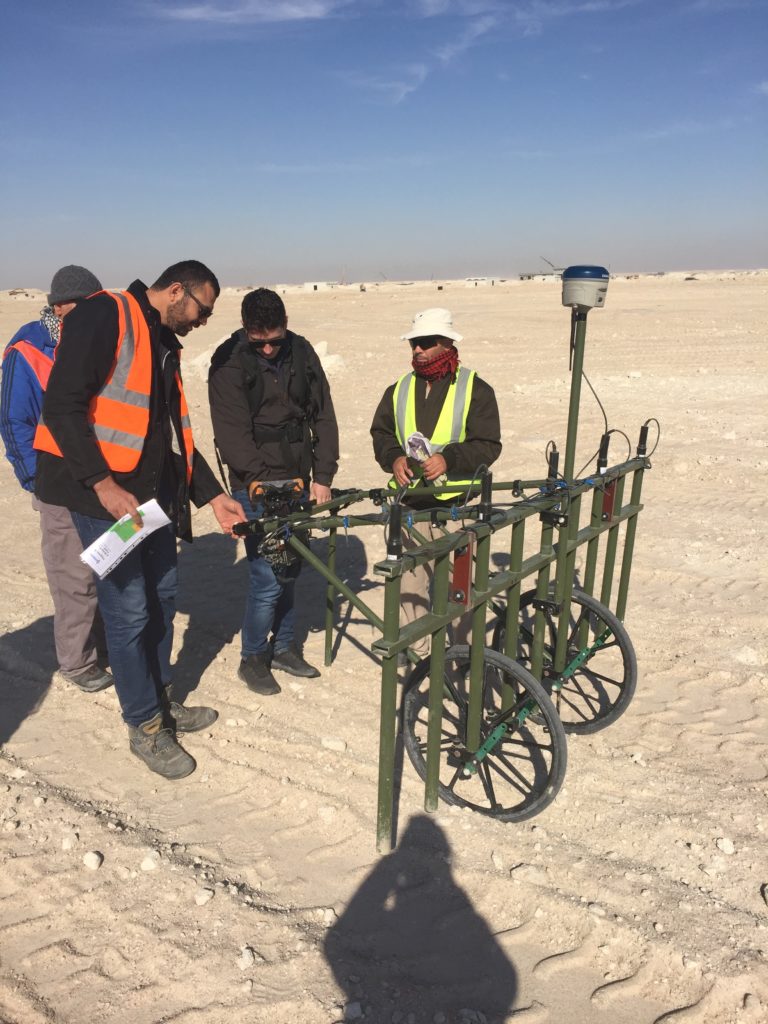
(546, 275)
(319, 286)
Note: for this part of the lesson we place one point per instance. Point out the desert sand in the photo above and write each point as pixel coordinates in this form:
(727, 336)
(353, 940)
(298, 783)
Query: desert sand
(252, 891)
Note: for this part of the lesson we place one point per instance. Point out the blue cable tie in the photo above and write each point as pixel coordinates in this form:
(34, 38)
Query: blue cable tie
(409, 520)
(454, 513)
(345, 521)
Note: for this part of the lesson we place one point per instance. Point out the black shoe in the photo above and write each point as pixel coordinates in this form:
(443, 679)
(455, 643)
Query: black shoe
(183, 719)
(254, 671)
(158, 749)
(289, 660)
(191, 719)
(90, 680)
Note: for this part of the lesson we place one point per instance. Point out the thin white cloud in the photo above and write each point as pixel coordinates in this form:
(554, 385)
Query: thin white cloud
(482, 17)
(474, 31)
(527, 12)
(533, 17)
(680, 129)
(246, 12)
(530, 17)
(762, 88)
(718, 6)
(432, 8)
(395, 88)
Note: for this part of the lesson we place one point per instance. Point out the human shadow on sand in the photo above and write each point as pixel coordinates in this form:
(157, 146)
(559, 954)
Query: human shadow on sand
(410, 945)
(213, 584)
(27, 665)
(212, 588)
(311, 588)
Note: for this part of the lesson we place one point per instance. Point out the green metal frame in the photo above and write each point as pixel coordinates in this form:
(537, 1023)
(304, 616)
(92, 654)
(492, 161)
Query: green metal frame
(557, 504)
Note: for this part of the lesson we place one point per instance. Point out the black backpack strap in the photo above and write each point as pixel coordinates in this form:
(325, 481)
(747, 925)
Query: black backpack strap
(253, 382)
(302, 377)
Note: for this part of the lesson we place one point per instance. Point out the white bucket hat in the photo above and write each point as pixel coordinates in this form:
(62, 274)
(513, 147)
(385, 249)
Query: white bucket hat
(432, 321)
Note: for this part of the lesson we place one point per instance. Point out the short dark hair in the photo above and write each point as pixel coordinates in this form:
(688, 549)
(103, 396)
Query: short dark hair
(263, 310)
(189, 273)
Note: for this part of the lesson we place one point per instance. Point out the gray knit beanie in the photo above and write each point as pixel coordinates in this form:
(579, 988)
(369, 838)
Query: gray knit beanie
(72, 283)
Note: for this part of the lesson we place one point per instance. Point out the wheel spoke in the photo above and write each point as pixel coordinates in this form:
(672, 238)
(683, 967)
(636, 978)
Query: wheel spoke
(519, 776)
(518, 741)
(446, 744)
(514, 778)
(576, 626)
(577, 711)
(485, 778)
(597, 678)
(600, 689)
(456, 777)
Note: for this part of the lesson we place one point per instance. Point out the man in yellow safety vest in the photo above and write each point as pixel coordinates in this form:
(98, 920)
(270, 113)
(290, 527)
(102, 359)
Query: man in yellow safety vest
(438, 424)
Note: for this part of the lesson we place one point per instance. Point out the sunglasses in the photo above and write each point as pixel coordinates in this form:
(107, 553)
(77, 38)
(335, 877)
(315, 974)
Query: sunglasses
(204, 311)
(261, 342)
(425, 343)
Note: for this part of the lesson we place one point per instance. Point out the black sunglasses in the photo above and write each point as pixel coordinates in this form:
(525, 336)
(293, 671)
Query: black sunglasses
(261, 342)
(424, 343)
(204, 311)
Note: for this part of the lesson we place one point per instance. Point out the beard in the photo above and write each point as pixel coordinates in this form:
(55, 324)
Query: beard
(177, 321)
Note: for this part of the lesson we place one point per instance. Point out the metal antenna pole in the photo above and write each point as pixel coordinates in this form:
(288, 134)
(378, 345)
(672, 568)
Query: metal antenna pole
(578, 334)
(584, 288)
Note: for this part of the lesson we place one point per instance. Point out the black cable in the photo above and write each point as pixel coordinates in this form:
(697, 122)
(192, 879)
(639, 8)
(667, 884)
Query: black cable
(616, 430)
(653, 419)
(602, 410)
(479, 469)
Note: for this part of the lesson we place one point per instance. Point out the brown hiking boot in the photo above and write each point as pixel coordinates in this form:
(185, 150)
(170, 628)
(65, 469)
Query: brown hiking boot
(158, 749)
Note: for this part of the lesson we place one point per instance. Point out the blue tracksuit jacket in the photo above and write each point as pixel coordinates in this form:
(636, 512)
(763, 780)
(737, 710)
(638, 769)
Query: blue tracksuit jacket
(21, 401)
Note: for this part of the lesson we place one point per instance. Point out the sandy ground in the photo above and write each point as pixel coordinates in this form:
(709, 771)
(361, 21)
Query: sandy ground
(252, 891)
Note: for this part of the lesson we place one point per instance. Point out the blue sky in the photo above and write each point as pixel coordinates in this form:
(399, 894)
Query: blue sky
(359, 139)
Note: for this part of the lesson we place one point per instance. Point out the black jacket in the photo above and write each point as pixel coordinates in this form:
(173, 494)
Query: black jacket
(482, 445)
(273, 419)
(84, 358)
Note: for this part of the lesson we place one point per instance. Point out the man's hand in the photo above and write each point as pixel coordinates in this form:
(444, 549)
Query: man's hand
(319, 493)
(401, 471)
(227, 511)
(117, 501)
(434, 466)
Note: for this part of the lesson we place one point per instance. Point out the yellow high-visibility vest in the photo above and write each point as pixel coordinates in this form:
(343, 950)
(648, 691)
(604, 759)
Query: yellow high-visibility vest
(451, 426)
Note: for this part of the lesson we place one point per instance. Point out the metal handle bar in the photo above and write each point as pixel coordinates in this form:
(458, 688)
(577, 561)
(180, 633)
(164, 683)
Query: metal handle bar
(549, 491)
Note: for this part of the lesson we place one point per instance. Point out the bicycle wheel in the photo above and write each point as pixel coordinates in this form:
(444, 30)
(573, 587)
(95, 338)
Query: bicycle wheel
(523, 767)
(600, 676)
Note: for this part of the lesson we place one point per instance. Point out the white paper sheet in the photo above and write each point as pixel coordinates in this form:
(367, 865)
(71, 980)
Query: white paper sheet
(123, 536)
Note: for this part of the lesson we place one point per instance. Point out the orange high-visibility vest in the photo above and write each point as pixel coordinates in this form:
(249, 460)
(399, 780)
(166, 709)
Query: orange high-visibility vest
(119, 412)
(40, 364)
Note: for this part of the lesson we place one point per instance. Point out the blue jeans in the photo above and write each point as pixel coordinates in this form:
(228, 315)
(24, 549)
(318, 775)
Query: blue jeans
(269, 604)
(137, 601)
